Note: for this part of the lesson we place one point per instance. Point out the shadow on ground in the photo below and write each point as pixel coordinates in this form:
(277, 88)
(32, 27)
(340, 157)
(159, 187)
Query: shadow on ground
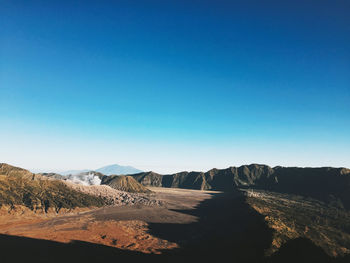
(227, 230)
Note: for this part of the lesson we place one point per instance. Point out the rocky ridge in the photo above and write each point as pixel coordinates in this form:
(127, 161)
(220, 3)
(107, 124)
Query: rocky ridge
(326, 183)
(40, 194)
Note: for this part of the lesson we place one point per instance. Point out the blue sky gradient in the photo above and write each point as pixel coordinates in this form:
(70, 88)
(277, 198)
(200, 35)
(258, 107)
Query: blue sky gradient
(174, 85)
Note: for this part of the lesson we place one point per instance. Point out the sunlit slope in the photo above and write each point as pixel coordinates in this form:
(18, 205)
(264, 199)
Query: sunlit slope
(19, 187)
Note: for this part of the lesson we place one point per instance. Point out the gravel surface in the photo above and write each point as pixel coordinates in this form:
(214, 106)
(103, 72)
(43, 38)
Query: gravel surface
(115, 197)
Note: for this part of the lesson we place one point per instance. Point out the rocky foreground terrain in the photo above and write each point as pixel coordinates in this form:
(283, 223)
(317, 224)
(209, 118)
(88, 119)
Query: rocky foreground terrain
(115, 197)
(259, 214)
(294, 216)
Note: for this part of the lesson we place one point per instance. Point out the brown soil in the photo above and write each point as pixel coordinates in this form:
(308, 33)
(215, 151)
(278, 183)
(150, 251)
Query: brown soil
(124, 227)
(113, 196)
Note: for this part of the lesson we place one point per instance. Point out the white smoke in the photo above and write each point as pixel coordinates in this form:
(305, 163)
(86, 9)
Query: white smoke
(84, 179)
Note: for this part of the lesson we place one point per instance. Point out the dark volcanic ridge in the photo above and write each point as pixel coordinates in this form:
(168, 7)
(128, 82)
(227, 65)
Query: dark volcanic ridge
(326, 183)
(330, 185)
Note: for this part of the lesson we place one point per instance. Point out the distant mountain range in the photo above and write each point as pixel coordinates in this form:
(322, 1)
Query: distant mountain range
(330, 185)
(117, 170)
(113, 169)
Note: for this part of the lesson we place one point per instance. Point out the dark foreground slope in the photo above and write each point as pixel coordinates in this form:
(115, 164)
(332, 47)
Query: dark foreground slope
(293, 216)
(326, 184)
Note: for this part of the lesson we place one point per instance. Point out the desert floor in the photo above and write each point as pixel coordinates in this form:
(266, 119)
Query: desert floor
(124, 227)
(187, 226)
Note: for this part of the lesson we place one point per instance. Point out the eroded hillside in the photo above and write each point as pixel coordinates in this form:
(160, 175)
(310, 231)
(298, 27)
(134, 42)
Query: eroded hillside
(293, 216)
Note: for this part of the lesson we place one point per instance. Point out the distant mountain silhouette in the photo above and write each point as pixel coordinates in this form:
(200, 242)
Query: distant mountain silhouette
(117, 170)
(326, 183)
(106, 170)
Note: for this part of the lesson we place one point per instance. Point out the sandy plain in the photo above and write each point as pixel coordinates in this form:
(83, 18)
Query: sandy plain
(125, 227)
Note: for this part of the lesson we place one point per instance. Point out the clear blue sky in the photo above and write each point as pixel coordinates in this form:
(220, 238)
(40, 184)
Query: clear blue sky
(174, 85)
